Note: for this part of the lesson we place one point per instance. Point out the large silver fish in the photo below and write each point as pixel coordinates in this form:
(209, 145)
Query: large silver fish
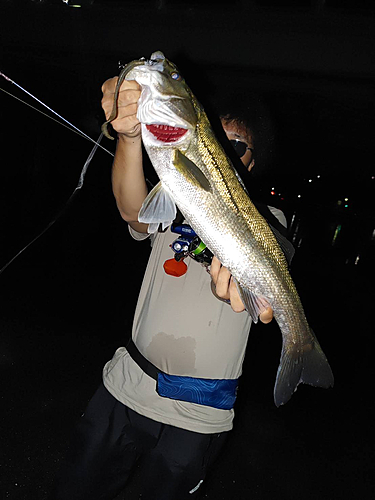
(196, 175)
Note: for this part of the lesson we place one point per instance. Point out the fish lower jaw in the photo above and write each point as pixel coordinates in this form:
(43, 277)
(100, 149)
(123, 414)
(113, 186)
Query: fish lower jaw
(166, 133)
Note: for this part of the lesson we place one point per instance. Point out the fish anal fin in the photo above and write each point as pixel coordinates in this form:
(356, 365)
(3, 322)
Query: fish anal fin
(157, 208)
(254, 304)
(190, 171)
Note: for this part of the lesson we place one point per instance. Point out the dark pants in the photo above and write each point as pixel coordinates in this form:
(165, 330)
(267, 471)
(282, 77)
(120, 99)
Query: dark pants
(109, 440)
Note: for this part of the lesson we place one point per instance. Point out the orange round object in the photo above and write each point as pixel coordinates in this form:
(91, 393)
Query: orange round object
(174, 268)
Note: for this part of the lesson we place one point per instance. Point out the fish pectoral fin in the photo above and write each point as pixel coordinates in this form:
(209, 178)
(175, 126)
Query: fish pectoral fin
(158, 208)
(254, 304)
(190, 171)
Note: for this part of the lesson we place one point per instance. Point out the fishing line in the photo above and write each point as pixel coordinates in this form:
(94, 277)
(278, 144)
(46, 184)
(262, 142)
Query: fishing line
(71, 127)
(70, 199)
(54, 112)
(44, 114)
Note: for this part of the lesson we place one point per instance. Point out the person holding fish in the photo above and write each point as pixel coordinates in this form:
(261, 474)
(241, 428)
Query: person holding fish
(130, 191)
(167, 397)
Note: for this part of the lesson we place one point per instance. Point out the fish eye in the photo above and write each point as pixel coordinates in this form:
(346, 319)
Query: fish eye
(176, 76)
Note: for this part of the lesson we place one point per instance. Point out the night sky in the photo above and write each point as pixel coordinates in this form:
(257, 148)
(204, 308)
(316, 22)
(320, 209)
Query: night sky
(67, 301)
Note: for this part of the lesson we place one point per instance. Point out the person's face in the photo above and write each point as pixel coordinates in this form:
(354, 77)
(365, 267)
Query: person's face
(237, 132)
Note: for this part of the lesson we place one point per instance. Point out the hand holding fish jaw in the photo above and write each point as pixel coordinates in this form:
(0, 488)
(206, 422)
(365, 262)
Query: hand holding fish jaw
(226, 289)
(126, 123)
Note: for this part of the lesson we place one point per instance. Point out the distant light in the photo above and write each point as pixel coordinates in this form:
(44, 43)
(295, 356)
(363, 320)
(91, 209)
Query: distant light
(346, 199)
(272, 192)
(299, 196)
(310, 180)
(318, 176)
(339, 202)
(346, 206)
(76, 5)
(337, 232)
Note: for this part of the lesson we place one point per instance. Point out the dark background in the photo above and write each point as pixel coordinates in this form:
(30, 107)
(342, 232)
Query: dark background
(67, 301)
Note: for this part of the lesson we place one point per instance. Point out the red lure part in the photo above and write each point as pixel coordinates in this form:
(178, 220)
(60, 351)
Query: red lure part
(166, 133)
(174, 268)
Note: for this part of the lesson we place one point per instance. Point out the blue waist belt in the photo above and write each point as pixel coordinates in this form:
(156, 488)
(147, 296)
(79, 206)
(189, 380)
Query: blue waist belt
(218, 393)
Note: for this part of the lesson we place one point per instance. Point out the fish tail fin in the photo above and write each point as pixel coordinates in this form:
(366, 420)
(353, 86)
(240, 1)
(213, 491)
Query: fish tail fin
(316, 370)
(305, 364)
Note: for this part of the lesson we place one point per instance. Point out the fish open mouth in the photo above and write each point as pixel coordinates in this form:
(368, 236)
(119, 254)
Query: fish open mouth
(166, 133)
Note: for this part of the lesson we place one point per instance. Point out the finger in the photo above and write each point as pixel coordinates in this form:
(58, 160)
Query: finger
(109, 86)
(128, 97)
(222, 284)
(125, 123)
(234, 297)
(215, 268)
(126, 111)
(126, 103)
(125, 97)
(130, 85)
(266, 316)
(126, 115)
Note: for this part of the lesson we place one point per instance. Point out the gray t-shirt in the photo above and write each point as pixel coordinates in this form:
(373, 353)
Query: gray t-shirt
(183, 329)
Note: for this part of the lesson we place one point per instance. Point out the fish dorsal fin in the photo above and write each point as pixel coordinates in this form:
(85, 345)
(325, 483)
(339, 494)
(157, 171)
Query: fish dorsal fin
(190, 171)
(158, 208)
(254, 304)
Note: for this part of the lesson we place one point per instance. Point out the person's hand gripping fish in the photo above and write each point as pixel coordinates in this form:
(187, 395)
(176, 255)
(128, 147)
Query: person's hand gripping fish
(226, 289)
(126, 123)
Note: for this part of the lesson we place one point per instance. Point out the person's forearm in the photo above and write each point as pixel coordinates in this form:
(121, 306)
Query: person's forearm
(128, 182)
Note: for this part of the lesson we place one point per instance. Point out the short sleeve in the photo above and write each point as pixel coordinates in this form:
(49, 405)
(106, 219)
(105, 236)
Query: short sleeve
(136, 235)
